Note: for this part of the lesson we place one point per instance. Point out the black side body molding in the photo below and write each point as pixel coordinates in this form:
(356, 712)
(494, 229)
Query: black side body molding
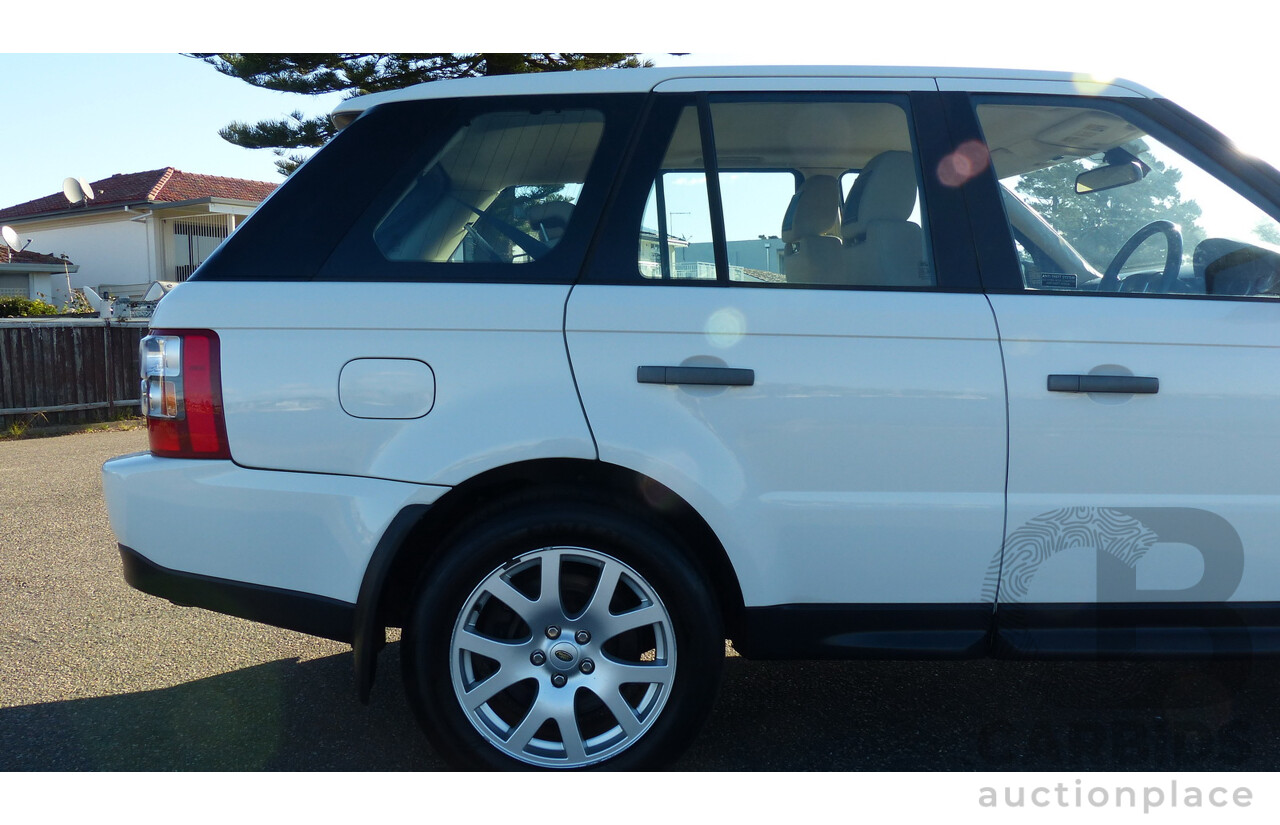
(289, 609)
(866, 631)
(1118, 630)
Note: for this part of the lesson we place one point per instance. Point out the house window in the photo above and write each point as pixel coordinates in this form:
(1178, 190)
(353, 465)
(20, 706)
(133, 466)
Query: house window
(14, 285)
(194, 239)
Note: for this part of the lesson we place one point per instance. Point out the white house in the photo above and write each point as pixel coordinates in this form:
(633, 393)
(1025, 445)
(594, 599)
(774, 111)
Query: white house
(138, 228)
(29, 274)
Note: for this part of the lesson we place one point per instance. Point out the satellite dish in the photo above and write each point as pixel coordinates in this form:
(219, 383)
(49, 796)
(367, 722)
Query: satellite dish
(10, 237)
(95, 300)
(158, 290)
(76, 190)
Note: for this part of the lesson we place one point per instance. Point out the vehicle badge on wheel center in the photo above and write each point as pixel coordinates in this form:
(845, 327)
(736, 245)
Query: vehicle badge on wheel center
(564, 655)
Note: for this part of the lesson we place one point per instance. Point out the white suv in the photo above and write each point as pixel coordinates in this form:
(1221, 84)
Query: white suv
(574, 376)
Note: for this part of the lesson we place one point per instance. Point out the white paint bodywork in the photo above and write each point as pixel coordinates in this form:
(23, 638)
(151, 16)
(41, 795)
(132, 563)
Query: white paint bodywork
(868, 462)
(306, 532)
(1207, 441)
(873, 436)
(634, 81)
(503, 391)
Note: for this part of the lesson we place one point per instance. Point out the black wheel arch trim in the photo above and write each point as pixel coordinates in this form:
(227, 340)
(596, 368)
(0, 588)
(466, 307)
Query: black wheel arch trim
(408, 545)
(368, 629)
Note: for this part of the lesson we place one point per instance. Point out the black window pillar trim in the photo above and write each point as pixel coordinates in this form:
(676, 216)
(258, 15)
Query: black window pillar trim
(998, 269)
(606, 235)
(1252, 178)
(950, 235)
(613, 252)
(664, 250)
(715, 203)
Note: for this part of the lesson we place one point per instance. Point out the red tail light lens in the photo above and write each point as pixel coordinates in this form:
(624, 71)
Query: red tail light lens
(182, 394)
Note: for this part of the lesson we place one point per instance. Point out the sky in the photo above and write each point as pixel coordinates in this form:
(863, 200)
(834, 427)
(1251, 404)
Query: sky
(90, 114)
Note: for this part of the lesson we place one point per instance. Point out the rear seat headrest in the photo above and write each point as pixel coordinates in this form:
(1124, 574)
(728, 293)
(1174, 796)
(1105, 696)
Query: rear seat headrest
(814, 209)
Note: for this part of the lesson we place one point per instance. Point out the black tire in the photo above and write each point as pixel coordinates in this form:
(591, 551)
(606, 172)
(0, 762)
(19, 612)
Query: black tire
(632, 697)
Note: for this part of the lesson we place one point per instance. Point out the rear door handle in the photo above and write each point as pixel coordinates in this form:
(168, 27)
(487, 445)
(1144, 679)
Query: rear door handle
(706, 376)
(1126, 384)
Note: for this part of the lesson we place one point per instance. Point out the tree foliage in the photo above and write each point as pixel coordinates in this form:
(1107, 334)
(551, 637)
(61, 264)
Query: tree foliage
(1097, 224)
(1267, 232)
(16, 306)
(359, 74)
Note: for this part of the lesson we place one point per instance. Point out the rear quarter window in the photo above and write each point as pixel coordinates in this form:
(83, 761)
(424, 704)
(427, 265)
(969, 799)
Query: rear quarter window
(507, 189)
(503, 190)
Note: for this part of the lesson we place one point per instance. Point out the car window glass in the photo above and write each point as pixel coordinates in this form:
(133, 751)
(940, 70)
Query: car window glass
(787, 219)
(754, 248)
(1096, 203)
(503, 190)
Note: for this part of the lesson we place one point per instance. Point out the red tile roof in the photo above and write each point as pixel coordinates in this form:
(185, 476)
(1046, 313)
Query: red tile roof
(166, 185)
(8, 256)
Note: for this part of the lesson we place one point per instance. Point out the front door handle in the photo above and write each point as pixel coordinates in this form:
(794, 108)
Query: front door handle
(706, 376)
(1126, 384)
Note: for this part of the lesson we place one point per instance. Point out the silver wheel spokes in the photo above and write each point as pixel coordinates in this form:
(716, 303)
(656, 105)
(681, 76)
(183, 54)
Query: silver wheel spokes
(563, 657)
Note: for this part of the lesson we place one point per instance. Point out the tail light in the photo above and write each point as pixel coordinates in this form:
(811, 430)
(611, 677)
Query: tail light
(182, 394)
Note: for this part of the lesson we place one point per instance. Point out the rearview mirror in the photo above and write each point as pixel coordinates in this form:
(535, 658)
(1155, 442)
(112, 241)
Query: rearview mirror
(1109, 177)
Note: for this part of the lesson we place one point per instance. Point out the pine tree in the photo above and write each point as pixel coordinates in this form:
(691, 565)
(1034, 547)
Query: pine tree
(1098, 224)
(358, 74)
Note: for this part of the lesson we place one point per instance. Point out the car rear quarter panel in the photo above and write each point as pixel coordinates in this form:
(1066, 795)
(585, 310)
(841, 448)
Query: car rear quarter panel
(503, 390)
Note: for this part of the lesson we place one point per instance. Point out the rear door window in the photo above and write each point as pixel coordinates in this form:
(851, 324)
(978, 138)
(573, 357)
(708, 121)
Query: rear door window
(807, 191)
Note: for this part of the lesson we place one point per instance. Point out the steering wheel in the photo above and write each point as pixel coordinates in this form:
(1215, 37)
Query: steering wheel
(531, 245)
(1172, 262)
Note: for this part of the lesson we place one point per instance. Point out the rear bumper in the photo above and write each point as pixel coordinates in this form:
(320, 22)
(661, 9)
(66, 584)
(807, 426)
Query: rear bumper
(275, 534)
(303, 612)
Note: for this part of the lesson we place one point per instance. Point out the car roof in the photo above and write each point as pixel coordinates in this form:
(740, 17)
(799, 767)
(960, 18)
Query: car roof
(686, 78)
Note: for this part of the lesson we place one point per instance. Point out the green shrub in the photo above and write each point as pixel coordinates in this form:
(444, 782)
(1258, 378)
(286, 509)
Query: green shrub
(13, 306)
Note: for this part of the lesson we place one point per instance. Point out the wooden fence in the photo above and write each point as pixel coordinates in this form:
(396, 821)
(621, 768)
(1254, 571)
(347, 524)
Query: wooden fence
(59, 372)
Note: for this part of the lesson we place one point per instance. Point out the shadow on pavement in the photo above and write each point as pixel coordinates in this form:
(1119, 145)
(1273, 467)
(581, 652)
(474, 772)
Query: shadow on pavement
(279, 716)
(981, 715)
(987, 715)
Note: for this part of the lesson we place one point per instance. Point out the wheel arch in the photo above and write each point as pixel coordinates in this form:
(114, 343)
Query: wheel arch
(411, 543)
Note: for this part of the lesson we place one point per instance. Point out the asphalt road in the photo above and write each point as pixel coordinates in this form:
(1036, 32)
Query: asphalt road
(96, 676)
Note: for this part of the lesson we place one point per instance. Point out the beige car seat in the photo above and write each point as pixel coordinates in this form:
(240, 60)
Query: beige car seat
(882, 246)
(811, 232)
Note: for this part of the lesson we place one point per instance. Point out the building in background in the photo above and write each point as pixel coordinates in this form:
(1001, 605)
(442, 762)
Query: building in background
(758, 258)
(27, 274)
(136, 228)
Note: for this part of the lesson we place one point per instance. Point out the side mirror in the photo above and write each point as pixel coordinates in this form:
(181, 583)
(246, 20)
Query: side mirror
(1109, 177)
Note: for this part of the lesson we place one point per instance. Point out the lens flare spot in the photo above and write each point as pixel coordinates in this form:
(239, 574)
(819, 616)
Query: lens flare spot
(1091, 84)
(969, 160)
(726, 327)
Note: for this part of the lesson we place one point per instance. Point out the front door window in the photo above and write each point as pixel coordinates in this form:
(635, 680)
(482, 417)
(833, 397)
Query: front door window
(1096, 203)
